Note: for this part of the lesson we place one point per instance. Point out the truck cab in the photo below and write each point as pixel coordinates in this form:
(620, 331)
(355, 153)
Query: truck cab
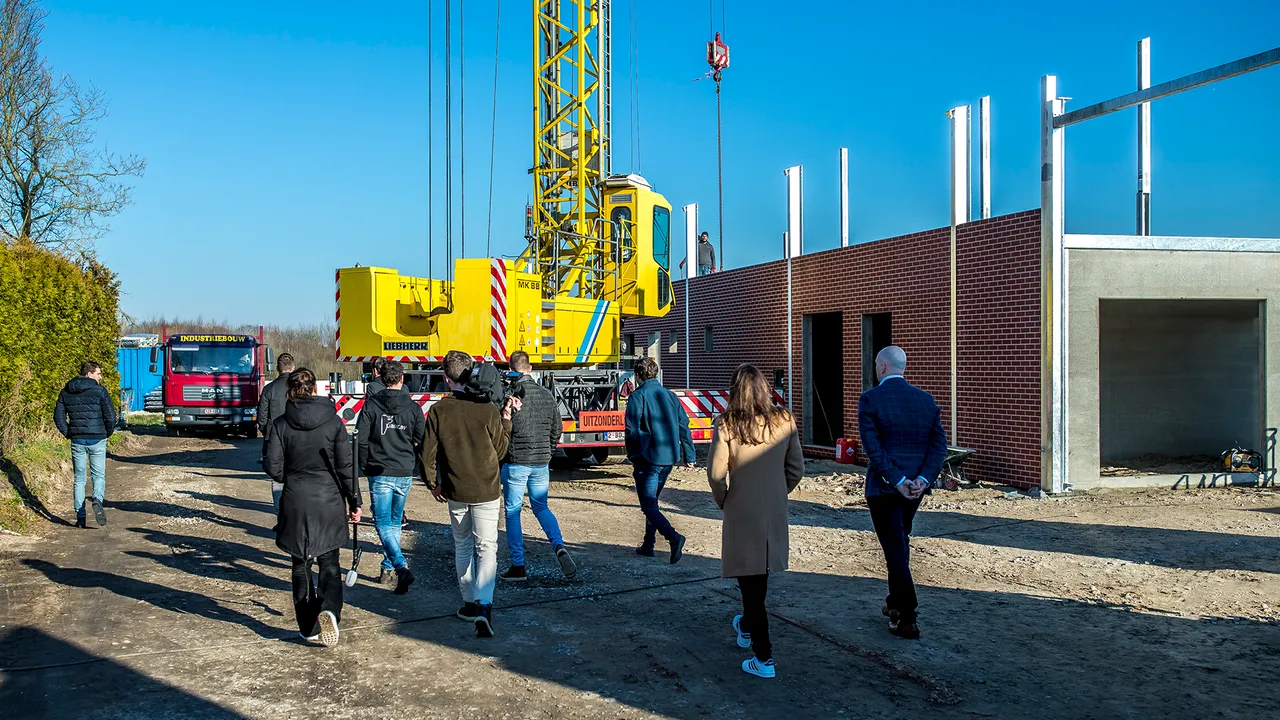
(212, 381)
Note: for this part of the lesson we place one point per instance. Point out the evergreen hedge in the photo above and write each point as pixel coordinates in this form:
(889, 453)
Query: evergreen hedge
(55, 313)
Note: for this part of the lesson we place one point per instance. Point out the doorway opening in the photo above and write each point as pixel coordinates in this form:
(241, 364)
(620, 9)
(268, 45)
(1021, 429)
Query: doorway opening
(1180, 381)
(877, 334)
(824, 364)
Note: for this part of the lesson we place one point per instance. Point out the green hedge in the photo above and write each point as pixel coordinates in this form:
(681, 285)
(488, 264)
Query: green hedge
(54, 314)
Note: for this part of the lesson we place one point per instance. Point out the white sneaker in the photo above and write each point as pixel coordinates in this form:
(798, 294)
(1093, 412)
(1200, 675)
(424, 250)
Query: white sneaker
(313, 638)
(744, 639)
(328, 629)
(765, 669)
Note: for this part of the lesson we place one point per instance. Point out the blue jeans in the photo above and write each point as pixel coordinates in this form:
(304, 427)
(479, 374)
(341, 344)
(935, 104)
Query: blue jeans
(536, 479)
(704, 270)
(388, 494)
(650, 479)
(95, 452)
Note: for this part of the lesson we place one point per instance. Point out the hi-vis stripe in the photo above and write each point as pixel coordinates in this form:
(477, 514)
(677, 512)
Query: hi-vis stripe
(337, 314)
(593, 331)
(702, 403)
(498, 294)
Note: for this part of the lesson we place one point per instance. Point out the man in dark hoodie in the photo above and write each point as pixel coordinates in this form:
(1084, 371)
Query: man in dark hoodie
(271, 406)
(466, 437)
(388, 434)
(84, 415)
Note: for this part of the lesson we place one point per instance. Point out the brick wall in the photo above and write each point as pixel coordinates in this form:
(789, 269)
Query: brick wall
(998, 320)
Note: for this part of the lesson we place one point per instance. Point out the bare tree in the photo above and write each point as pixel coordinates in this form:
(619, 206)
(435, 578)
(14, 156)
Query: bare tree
(56, 185)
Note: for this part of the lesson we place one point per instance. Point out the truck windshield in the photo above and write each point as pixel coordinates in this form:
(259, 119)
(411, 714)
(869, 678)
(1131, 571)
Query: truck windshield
(211, 359)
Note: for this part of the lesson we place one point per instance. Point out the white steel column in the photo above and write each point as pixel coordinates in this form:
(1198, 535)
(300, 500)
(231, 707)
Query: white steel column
(844, 197)
(984, 154)
(794, 245)
(961, 212)
(690, 269)
(1053, 413)
(1144, 139)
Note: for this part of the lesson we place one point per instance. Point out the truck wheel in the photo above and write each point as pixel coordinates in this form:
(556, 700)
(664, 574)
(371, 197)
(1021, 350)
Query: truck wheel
(251, 432)
(173, 431)
(609, 456)
(578, 455)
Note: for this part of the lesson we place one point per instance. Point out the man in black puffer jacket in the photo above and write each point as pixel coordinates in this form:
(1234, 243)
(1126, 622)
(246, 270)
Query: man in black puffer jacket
(84, 415)
(388, 436)
(271, 406)
(535, 433)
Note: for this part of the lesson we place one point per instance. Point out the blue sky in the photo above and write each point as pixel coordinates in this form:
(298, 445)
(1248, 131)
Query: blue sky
(285, 139)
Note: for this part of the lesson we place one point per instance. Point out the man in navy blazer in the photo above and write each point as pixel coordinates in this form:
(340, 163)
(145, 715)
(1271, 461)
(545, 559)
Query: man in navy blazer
(902, 436)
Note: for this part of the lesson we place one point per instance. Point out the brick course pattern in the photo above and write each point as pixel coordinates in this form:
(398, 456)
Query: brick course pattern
(998, 329)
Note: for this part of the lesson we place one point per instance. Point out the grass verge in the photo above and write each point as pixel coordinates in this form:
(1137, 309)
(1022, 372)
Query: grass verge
(33, 475)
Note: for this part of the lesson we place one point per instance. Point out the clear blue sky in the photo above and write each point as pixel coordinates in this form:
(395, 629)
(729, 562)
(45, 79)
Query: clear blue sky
(285, 139)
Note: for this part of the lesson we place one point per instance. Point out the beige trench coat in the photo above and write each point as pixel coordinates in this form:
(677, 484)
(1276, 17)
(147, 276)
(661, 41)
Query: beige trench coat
(751, 483)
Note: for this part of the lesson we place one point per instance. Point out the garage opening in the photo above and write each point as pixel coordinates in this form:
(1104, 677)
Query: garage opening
(877, 334)
(824, 364)
(1180, 382)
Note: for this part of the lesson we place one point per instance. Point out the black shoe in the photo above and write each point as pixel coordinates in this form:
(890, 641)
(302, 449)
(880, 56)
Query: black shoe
(469, 612)
(404, 578)
(677, 549)
(81, 522)
(387, 576)
(567, 565)
(99, 514)
(909, 631)
(645, 550)
(404, 522)
(516, 573)
(484, 621)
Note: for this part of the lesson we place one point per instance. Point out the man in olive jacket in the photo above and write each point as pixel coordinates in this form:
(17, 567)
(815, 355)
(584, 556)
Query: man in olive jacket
(465, 439)
(84, 415)
(535, 434)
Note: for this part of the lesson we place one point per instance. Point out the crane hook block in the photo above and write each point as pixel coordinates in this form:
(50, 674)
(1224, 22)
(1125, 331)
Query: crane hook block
(717, 56)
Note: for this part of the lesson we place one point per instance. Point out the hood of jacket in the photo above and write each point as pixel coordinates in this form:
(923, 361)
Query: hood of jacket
(392, 401)
(309, 413)
(80, 383)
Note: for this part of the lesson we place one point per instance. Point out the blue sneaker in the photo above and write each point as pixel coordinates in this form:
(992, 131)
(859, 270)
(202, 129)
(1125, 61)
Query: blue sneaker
(744, 638)
(753, 666)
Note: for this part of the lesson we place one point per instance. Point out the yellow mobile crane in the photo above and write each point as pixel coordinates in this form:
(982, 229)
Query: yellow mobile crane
(599, 248)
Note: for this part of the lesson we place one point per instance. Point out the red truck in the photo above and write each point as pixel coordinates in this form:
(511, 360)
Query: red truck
(212, 381)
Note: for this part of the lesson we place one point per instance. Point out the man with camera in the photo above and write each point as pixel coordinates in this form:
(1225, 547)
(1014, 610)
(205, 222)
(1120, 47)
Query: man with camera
(535, 433)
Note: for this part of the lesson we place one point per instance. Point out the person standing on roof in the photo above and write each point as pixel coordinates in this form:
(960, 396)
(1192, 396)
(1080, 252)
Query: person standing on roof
(657, 439)
(465, 440)
(271, 406)
(84, 415)
(706, 255)
(388, 435)
(535, 434)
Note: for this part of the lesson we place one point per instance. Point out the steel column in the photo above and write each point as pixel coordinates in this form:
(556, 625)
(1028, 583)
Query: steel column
(844, 197)
(690, 270)
(984, 154)
(1144, 139)
(1052, 292)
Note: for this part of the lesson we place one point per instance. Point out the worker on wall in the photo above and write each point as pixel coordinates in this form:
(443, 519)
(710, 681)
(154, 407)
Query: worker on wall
(706, 255)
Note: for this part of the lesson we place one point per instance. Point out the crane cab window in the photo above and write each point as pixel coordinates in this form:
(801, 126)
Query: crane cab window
(621, 217)
(662, 237)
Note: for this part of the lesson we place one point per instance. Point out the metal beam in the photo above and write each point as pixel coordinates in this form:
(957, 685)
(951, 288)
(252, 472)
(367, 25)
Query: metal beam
(984, 153)
(844, 197)
(1144, 139)
(1172, 243)
(1053, 297)
(1173, 87)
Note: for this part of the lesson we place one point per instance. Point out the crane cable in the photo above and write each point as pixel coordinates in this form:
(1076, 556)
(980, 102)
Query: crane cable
(431, 168)
(448, 149)
(462, 126)
(493, 130)
(719, 142)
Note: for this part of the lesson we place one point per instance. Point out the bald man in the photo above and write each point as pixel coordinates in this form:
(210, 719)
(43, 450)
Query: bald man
(902, 436)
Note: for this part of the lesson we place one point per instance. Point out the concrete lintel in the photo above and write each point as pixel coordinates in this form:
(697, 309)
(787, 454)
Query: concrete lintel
(1192, 244)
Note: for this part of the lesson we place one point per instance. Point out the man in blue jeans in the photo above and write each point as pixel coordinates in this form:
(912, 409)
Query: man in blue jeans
(84, 415)
(535, 433)
(388, 435)
(658, 439)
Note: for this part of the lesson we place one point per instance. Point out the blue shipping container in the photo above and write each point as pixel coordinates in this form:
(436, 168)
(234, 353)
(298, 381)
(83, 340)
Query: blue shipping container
(136, 378)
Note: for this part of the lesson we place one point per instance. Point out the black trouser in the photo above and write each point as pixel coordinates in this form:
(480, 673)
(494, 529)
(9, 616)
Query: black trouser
(754, 618)
(309, 600)
(892, 515)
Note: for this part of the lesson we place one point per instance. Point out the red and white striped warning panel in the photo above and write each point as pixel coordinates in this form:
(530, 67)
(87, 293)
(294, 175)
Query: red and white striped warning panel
(498, 309)
(349, 406)
(704, 403)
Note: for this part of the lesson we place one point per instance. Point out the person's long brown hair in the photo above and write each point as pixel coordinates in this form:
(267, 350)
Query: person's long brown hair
(751, 412)
(302, 383)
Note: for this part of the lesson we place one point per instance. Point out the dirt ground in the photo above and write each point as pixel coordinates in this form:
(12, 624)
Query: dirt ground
(1125, 604)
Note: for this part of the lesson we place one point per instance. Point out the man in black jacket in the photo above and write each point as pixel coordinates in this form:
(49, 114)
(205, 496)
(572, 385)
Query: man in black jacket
(377, 382)
(270, 407)
(85, 416)
(388, 436)
(535, 433)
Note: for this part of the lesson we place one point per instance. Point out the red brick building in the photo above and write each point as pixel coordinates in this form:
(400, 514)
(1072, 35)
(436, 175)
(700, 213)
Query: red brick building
(850, 302)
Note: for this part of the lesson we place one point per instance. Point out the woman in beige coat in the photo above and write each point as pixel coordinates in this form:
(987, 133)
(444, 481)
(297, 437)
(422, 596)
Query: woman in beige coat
(755, 462)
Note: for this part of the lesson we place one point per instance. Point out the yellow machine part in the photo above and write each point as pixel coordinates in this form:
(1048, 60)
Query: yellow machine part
(495, 311)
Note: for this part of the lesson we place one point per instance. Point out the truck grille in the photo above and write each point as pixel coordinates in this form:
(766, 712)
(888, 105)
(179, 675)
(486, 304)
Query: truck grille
(221, 393)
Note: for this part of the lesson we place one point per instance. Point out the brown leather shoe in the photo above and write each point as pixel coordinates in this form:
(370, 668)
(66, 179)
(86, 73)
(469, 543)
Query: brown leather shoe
(907, 631)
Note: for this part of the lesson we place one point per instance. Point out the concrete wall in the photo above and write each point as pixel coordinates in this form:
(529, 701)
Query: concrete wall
(1095, 275)
(1178, 377)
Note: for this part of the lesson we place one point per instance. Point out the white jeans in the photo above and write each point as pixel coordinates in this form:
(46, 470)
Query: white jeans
(475, 547)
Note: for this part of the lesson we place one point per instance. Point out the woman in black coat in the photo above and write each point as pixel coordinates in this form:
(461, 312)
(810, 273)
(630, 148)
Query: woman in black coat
(308, 450)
